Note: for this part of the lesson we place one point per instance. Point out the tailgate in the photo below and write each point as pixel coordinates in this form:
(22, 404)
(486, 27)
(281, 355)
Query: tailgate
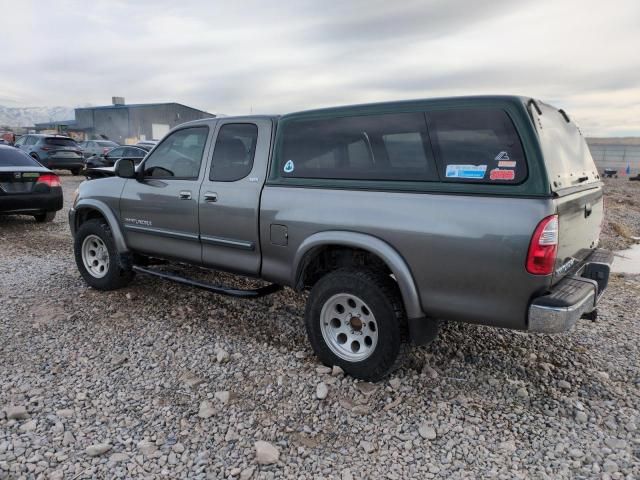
(575, 185)
(580, 217)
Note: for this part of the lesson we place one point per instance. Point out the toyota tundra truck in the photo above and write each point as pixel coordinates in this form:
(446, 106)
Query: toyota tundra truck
(392, 216)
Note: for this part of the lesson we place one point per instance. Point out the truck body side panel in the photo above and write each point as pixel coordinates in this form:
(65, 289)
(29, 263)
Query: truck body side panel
(466, 254)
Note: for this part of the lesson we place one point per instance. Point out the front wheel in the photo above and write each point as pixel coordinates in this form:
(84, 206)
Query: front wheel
(97, 257)
(355, 319)
(76, 171)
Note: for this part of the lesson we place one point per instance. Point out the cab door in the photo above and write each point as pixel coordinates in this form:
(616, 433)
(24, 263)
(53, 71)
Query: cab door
(159, 212)
(230, 195)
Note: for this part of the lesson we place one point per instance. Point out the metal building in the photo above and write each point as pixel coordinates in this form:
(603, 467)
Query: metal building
(124, 123)
(616, 153)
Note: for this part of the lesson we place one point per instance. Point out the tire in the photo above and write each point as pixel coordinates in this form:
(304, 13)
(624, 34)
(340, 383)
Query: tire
(355, 319)
(45, 217)
(76, 171)
(102, 269)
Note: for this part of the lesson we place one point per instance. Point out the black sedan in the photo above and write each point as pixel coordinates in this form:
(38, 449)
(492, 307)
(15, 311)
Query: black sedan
(26, 187)
(134, 153)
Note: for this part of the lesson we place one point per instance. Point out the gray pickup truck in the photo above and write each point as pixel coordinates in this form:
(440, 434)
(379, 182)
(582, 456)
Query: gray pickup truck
(394, 216)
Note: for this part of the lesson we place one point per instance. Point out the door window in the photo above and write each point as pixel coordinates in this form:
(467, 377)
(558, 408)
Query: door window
(116, 153)
(234, 152)
(133, 152)
(179, 155)
(31, 140)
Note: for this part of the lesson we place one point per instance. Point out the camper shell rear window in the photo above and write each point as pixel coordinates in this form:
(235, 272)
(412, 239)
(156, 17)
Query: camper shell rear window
(566, 155)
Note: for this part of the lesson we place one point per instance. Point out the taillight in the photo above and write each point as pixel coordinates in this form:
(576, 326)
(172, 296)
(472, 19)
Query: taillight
(105, 150)
(543, 247)
(50, 179)
(46, 149)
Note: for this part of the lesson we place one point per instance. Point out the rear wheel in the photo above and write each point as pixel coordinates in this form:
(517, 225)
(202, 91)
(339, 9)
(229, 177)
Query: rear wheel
(45, 217)
(97, 257)
(355, 319)
(76, 171)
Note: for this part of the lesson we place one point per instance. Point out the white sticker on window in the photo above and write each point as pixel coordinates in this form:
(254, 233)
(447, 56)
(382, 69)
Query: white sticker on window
(502, 156)
(289, 167)
(466, 171)
(507, 164)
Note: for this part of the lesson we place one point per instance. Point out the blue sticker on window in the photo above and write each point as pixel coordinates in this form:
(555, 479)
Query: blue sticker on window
(466, 171)
(289, 167)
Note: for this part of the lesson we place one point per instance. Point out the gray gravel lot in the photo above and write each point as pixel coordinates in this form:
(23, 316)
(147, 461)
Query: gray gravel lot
(162, 381)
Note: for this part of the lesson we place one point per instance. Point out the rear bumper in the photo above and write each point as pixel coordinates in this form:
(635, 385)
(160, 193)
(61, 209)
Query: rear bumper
(31, 202)
(61, 162)
(572, 297)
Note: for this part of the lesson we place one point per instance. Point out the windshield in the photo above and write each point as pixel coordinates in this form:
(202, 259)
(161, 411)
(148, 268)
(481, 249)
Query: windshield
(106, 143)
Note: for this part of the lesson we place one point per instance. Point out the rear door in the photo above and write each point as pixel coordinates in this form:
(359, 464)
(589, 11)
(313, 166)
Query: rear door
(575, 184)
(230, 195)
(160, 213)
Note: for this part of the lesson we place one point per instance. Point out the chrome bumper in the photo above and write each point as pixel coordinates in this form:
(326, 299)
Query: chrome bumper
(572, 297)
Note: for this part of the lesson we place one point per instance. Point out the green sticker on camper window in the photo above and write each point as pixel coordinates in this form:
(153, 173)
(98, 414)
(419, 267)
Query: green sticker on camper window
(289, 166)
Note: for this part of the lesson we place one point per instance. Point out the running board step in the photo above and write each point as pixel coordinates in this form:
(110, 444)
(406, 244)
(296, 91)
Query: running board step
(231, 292)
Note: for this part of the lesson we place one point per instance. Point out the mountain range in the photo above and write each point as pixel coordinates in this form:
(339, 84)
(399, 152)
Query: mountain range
(28, 116)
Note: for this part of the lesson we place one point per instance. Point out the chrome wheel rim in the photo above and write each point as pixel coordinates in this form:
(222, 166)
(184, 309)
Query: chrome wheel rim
(95, 256)
(349, 327)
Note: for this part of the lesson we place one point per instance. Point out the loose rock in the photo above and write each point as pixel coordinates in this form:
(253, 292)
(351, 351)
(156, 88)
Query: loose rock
(98, 449)
(266, 453)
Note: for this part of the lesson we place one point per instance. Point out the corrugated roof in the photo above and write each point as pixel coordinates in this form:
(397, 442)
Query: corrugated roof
(138, 105)
(55, 122)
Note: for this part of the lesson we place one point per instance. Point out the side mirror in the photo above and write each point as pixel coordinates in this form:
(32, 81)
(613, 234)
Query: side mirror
(125, 168)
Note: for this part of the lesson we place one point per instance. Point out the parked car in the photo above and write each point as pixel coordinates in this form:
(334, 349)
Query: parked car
(53, 151)
(393, 216)
(112, 156)
(97, 147)
(26, 187)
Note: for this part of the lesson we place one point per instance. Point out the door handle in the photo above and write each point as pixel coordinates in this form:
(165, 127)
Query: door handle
(185, 195)
(210, 197)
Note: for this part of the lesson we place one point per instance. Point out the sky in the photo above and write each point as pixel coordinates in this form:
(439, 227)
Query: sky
(281, 56)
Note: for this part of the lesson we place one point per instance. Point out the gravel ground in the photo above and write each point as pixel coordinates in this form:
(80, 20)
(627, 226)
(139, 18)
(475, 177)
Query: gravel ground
(162, 381)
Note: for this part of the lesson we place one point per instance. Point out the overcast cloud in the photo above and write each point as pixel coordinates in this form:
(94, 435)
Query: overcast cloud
(275, 57)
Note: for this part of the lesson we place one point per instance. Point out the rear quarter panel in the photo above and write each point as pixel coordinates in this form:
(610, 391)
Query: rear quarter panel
(466, 253)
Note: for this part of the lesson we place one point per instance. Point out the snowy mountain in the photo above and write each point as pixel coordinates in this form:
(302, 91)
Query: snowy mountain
(28, 116)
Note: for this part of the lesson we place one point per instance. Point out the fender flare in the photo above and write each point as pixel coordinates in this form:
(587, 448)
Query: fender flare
(374, 245)
(107, 213)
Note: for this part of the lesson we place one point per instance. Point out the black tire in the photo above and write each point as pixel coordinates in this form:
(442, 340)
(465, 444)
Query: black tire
(381, 294)
(45, 217)
(116, 276)
(76, 171)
